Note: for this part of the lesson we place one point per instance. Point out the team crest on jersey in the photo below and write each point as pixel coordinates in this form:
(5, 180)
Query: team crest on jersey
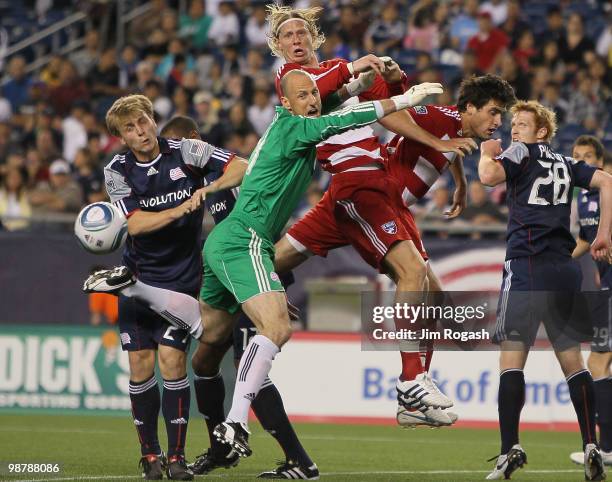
(420, 109)
(274, 276)
(592, 206)
(177, 173)
(390, 227)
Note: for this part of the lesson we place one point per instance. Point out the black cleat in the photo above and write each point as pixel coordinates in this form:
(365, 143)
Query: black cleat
(214, 459)
(291, 470)
(593, 463)
(109, 281)
(177, 468)
(236, 435)
(508, 463)
(152, 467)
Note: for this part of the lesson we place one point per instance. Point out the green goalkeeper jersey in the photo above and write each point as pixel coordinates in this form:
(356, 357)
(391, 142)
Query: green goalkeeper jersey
(281, 165)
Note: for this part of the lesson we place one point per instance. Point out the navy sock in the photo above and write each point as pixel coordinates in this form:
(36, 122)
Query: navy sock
(210, 395)
(175, 407)
(270, 411)
(603, 404)
(583, 398)
(510, 402)
(145, 411)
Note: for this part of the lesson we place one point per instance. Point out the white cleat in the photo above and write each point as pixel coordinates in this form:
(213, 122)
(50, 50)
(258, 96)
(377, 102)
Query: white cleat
(421, 391)
(508, 463)
(109, 280)
(593, 463)
(578, 457)
(427, 416)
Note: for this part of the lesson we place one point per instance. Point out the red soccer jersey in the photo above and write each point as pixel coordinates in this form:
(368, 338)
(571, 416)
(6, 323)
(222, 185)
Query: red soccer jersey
(415, 165)
(356, 148)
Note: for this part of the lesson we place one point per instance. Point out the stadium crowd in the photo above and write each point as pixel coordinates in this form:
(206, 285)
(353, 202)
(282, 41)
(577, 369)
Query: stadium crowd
(212, 62)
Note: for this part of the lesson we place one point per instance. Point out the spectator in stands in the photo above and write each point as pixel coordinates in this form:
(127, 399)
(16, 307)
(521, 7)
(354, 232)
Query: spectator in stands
(15, 208)
(574, 44)
(465, 25)
(469, 67)
(551, 99)
(37, 171)
(207, 118)
(177, 52)
(422, 32)
(85, 59)
(141, 27)
(6, 111)
(437, 205)
(194, 25)
(256, 27)
(525, 50)
(145, 71)
(384, 35)
(162, 105)
(102, 305)
(74, 132)
(488, 44)
(555, 29)
(254, 68)
(601, 76)
(46, 146)
(498, 10)
(225, 28)
(169, 23)
(515, 24)
(50, 74)
(90, 177)
(37, 118)
(238, 122)
(60, 194)
(182, 101)
(71, 89)
(261, 113)
(128, 62)
(510, 71)
(350, 28)
(103, 79)
(551, 59)
(586, 106)
(17, 88)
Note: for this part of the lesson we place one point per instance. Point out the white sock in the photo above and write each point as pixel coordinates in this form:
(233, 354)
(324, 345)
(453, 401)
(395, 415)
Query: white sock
(178, 309)
(253, 370)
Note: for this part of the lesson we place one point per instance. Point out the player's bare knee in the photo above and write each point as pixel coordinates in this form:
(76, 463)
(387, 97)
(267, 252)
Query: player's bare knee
(206, 360)
(142, 365)
(599, 365)
(278, 333)
(172, 363)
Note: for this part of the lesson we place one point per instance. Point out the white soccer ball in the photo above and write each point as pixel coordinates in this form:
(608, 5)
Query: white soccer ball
(100, 228)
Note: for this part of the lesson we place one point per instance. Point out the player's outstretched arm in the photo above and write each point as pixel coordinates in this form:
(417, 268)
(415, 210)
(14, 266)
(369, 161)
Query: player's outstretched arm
(490, 172)
(232, 177)
(144, 222)
(600, 247)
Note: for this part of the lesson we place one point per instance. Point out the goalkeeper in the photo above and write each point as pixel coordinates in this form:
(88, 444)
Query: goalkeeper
(239, 253)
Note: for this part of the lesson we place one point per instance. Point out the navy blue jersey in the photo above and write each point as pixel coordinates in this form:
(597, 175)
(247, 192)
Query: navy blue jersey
(169, 257)
(588, 217)
(540, 183)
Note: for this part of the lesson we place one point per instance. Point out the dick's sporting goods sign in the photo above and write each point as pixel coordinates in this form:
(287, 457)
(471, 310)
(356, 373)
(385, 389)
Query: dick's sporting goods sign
(63, 368)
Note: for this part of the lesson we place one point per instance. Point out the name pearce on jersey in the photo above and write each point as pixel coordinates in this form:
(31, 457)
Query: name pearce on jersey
(166, 198)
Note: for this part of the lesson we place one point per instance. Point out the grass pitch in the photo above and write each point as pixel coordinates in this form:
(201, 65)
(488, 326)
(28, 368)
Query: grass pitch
(106, 448)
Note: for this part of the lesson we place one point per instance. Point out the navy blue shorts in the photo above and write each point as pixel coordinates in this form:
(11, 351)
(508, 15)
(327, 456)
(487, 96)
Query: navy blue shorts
(545, 289)
(244, 330)
(600, 304)
(143, 329)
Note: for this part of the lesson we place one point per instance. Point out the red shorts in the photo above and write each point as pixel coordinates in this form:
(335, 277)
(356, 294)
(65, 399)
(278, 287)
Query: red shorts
(363, 209)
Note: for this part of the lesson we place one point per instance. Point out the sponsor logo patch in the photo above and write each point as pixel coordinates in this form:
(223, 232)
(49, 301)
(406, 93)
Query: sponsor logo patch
(390, 227)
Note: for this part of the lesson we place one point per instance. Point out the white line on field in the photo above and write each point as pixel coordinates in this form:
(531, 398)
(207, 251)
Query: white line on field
(55, 430)
(326, 474)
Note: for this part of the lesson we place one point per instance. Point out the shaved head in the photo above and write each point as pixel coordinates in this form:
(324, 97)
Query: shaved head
(287, 83)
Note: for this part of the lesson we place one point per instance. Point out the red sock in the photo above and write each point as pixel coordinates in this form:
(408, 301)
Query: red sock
(411, 365)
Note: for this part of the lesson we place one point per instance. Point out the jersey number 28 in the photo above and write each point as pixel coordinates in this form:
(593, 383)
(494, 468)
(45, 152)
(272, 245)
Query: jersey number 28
(558, 175)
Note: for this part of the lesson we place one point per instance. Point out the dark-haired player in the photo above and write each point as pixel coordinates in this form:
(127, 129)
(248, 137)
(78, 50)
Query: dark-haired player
(208, 383)
(590, 150)
(153, 184)
(538, 259)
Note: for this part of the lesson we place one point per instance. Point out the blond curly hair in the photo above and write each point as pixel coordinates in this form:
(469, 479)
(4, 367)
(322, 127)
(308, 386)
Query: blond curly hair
(277, 14)
(543, 117)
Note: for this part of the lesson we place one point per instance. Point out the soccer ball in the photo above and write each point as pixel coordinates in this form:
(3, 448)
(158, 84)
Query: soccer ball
(100, 228)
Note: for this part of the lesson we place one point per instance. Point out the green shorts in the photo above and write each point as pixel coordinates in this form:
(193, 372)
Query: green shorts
(238, 264)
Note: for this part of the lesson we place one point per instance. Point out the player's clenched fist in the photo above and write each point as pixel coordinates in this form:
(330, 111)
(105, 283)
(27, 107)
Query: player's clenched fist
(416, 94)
(491, 148)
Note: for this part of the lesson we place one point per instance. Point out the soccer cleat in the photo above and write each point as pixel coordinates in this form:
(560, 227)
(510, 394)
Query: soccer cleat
(578, 457)
(109, 280)
(236, 435)
(214, 459)
(177, 468)
(421, 391)
(152, 467)
(593, 463)
(291, 470)
(425, 416)
(508, 463)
